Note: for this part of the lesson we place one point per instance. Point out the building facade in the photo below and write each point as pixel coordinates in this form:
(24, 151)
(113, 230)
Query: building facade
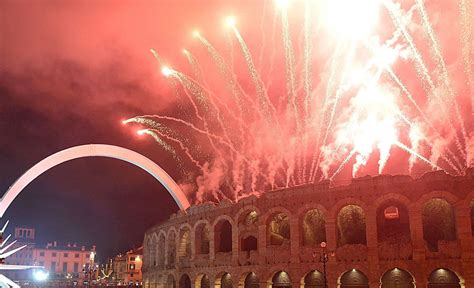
(384, 231)
(127, 267)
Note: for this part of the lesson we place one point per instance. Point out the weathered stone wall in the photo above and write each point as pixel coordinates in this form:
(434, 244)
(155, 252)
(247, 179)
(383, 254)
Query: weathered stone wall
(371, 258)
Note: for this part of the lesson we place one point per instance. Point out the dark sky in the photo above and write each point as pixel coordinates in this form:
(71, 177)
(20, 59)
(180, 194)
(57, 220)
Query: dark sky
(70, 73)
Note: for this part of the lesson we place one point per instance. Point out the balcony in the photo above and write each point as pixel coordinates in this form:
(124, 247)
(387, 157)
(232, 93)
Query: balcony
(446, 250)
(223, 258)
(352, 253)
(201, 260)
(248, 257)
(395, 251)
(278, 254)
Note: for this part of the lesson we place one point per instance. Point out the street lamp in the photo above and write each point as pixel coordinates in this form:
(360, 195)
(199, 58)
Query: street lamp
(324, 258)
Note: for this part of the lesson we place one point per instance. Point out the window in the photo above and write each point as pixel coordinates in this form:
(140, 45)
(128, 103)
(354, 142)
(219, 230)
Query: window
(131, 274)
(66, 255)
(54, 254)
(132, 258)
(41, 254)
(76, 255)
(53, 266)
(41, 263)
(391, 213)
(76, 267)
(65, 267)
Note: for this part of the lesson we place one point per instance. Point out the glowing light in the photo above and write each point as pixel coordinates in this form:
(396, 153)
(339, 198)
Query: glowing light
(196, 34)
(141, 132)
(282, 4)
(351, 19)
(166, 71)
(230, 21)
(185, 52)
(40, 275)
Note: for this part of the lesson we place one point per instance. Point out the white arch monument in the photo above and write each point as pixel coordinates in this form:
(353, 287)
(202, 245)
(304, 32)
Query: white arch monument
(94, 150)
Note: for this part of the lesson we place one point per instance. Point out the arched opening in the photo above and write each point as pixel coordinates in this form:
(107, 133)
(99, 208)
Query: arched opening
(202, 239)
(438, 223)
(393, 224)
(443, 278)
(185, 281)
(278, 229)
(351, 226)
(281, 279)
(223, 236)
(314, 228)
(202, 281)
(170, 282)
(171, 250)
(313, 279)
(251, 281)
(152, 252)
(248, 218)
(249, 243)
(397, 278)
(160, 261)
(353, 278)
(184, 245)
(225, 281)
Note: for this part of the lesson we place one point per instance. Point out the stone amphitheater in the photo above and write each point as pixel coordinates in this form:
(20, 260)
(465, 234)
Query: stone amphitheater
(384, 231)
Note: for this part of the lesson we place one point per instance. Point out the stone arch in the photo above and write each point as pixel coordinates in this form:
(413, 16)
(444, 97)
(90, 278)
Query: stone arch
(184, 241)
(244, 210)
(201, 237)
(439, 223)
(161, 250)
(224, 280)
(280, 279)
(353, 279)
(313, 227)
(272, 211)
(397, 278)
(342, 203)
(223, 230)
(95, 150)
(313, 279)
(393, 219)
(184, 281)
(351, 226)
(202, 281)
(170, 281)
(149, 251)
(171, 248)
(249, 280)
(278, 227)
(444, 278)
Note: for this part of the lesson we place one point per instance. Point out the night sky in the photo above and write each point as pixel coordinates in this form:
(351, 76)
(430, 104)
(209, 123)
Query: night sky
(70, 73)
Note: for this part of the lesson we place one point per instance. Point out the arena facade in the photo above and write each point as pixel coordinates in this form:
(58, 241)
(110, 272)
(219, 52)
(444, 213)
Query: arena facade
(384, 231)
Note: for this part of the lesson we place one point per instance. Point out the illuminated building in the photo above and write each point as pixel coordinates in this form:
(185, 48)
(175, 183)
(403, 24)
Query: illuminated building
(380, 232)
(127, 267)
(63, 263)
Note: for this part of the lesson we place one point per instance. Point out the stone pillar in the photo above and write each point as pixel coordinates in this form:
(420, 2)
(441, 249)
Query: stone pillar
(372, 247)
(262, 243)
(416, 231)
(235, 244)
(192, 238)
(212, 250)
(464, 231)
(294, 240)
(331, 240)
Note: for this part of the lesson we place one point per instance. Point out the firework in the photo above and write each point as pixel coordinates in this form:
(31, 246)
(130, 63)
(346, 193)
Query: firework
(347, 114)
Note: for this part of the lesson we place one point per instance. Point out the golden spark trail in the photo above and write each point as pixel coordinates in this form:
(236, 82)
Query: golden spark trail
(160, 141)
(466, 43)
(423, 115)
(265, 103)
(421, 68)
(441, 64)
(195, 67)
(306, 80)
(343, 163)
(409, 150)
(339, 93)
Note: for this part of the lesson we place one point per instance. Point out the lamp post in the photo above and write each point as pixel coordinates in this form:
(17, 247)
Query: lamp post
(90, 270)
(324, 258)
